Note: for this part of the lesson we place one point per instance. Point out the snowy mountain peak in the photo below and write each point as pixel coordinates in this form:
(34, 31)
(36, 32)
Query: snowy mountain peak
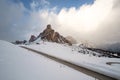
(50, 35)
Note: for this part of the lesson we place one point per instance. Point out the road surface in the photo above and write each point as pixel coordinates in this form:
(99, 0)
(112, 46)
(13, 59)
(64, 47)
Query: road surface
(74, 66)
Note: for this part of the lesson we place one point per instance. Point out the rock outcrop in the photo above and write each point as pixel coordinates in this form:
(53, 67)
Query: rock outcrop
(50, 35)
(32, 38)
(19, 42)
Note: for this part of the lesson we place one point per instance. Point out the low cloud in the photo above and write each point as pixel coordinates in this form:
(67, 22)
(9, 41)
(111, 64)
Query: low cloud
(97, 23)
(18, 22)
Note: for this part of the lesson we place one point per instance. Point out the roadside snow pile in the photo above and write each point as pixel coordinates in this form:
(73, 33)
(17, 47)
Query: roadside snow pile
(20, 64)
(88, 61)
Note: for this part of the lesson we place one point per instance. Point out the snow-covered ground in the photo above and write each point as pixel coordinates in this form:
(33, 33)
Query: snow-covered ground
(89, 61)
(17, 63)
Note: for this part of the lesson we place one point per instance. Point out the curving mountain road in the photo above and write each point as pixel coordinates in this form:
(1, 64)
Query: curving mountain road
(74, 66)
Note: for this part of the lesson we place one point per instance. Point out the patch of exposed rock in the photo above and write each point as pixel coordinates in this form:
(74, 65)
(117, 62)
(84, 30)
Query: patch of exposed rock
(32, 38)
(50, 35)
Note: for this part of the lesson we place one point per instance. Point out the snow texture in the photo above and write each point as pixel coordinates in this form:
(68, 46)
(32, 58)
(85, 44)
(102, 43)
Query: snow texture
(88, 61)
(19, 64)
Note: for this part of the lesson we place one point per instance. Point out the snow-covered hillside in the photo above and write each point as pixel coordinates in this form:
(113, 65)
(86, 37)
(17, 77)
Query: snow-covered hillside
(103, 65)
(17, 63)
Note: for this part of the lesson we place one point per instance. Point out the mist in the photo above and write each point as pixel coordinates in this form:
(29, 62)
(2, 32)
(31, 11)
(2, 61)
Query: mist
(97, 24)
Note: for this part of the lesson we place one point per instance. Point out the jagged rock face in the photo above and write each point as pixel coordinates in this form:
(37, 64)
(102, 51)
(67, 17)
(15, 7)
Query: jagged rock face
(32, 38)
(50, 35)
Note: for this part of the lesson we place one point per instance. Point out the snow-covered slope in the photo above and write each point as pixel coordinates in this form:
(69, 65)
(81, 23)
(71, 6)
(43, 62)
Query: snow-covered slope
(98, 64)
(20, 64)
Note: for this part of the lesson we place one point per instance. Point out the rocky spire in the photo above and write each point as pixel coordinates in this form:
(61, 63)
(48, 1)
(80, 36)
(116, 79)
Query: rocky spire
(50, 35)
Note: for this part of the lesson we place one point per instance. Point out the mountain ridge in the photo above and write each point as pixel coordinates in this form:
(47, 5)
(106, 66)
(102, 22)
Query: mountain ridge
(50, 35)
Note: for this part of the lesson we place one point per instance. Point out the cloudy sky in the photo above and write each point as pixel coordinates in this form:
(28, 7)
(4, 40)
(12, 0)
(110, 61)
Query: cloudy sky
(93, 21)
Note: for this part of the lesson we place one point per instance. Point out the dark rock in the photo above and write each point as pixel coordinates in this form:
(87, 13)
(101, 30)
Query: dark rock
(19, 42)
(32, 38)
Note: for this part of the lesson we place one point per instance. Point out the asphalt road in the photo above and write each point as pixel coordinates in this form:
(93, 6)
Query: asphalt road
(91, 73)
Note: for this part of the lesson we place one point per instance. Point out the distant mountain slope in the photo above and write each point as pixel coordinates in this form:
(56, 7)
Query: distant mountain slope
(114, 47)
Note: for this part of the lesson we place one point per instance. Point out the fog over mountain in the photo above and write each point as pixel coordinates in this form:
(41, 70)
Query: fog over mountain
(97, 23)
(112, 47)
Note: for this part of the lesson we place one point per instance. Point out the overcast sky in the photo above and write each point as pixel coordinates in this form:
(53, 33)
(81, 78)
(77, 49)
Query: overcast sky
(93, 21)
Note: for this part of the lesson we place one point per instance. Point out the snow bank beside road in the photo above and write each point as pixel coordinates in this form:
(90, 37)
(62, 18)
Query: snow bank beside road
(20, 64)
(85, 60)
